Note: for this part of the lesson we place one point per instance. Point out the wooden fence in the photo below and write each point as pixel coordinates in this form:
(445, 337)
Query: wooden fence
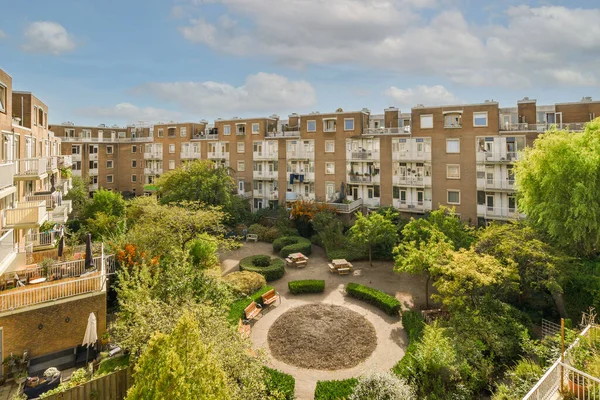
(109, 387)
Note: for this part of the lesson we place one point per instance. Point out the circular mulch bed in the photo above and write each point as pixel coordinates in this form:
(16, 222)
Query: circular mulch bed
(322, 336)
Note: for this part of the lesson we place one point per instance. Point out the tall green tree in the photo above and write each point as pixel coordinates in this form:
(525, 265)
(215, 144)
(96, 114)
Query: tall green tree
(559, 187)
(179, 365)
(79, 195)
(446, 221)
(371, 231)
(104, 214)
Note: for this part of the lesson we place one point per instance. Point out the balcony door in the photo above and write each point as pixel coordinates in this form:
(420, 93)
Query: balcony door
(489, 202)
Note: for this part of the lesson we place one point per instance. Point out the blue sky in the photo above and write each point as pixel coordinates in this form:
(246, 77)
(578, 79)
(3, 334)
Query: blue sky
(156, 60)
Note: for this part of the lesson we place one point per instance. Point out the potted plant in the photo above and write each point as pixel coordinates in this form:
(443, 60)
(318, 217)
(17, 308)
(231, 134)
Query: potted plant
(105, 338)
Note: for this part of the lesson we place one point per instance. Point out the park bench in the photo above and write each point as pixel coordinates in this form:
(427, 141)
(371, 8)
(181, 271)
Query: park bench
(332, 269)
(270, 297)
(252, 236)
(343, 271)
(252, 311)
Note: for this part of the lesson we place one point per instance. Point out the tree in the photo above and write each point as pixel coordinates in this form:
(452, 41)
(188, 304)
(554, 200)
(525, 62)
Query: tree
(330, 229)
(446, 221)
(79, 195)
(373, 230)
(559, 187)
(105, 201)
(179, 365)
(422, 250)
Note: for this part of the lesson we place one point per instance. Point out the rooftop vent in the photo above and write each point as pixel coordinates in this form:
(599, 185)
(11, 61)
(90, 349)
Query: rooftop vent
(274, 116)
(366, 110)
(102, 126)
(69, 123)
(204, 121)
(419, 106)
(525, 98)
(586, 99)
(339, 110)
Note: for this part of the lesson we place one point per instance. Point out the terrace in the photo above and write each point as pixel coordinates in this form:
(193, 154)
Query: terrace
(26, 214)
(31, 168)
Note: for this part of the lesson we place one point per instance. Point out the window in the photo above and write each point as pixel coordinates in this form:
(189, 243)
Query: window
(171, 132)
(329, 146)
(161, 132)
(453, 197)
(134, 149)
(183, 131)
(311, 126)
(426, 121)
(329, 125)
(255, 129)
(330, 168)
(480, 119)
(109, 163)
(227, 130)
(241, 147)
(93, 164)
(75, 149)
(109, 150)
(34, 115)
(133, 178)
(2, 98)
(133, 163)
(453, 171)
(452, 146)
(241, 166)
(109, 179)
(349, 124)
(171, 164)
(453, 120)
(171, 148)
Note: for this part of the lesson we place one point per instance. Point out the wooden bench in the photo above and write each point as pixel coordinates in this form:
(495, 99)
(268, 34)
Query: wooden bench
(270, 297)
(332, 269)
(289, 262)
(301, 263)
(252, 236)
(252, 311)
(343, 271)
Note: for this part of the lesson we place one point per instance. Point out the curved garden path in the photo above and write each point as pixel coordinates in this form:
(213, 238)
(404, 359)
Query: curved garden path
(391, 338)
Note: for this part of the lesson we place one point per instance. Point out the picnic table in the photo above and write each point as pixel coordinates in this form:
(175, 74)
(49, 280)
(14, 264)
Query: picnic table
(340, 266)
(297, 260)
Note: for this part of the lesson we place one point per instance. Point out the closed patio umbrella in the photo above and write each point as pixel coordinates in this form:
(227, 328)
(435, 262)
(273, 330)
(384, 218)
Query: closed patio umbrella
(89, 257)
(91, 335)
(61, 245)
(52, 183)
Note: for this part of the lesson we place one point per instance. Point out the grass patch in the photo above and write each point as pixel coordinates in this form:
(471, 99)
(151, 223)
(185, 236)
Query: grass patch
(335, 390)
(280, 384)
(307, 286)
(389, 304)
(112, 364)
(236, 311)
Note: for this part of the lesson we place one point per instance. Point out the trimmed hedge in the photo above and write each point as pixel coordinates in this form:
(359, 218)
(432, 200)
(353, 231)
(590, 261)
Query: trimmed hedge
(292, 244)
(279, 383)
(379, 299)
(236, 311)
(245, 281)
(307, 286)
(273, 271)
(335, 390)
(413, 324)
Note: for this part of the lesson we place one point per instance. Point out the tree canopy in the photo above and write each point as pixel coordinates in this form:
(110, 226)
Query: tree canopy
(559, 187)
(373, 230)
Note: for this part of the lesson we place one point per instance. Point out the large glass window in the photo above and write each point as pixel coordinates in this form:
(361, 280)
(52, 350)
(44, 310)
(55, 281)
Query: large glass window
(426, 121)
(452, 146)
(480, 118)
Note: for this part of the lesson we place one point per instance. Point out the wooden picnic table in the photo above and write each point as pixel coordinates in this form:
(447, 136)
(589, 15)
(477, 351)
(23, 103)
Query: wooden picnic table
(340, 266)
(296, 260)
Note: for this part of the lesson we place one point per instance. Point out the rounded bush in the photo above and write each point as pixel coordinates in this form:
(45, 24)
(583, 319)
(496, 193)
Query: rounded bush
(382, 385)
(261, 261)
(292, 244)
(273, 271)
(245, 281)
(379, 299)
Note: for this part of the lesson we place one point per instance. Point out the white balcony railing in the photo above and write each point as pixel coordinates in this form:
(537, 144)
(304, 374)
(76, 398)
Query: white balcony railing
(508, 157)
(265, 155)
(189, 155)
(346, 207)
(65, 161)
(26, 213)
(366, 178)
(411, 156)
(92, 187)
(362, 155)
(416, 181)
(218, 155)
(496, 184)
(7, 246)
(7, 174)
(93, 172)
(297, 196)
(106, 139)
(48, 198)
(52, 164)
(31, 167)
(491, 212)
(403, 130)
(525, 127)
(153, 155)
(93, 156)
(265, 175)
(43, 238)
(413, 206)
(76, 157)
(300, 154)
(281, 134)
(153, 171)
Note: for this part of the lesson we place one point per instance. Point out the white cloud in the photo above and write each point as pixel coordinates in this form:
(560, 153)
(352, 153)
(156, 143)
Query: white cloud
(430, 95)
(260, 93)
(48, 37)
(396, 35)
(128, 113)
(571, 77)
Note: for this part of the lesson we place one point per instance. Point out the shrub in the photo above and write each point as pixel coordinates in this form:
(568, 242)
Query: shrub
(245, 281)
(413, 324)
(316, 240)
(335, 390)
(280, 385)
(273, 271)
(307, 286)
(280, 243)
(261, 261)
(266, 234)
(523, 377)
(236, 311)
(382, 386)
(292, 244)
(389, 304)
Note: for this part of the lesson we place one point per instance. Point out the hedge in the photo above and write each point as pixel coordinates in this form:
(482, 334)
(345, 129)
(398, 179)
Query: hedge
(413, 324)
(307, 286)
(236, 311)
(245, 281)
(292, 244)
(280, 383)
(335, 390)
(265, 234)
(273, 271)
(379, 299)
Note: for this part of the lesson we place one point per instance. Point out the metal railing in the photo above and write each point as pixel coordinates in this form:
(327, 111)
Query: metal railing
(363, 178)
(403, 130)
(153, 171)
(153, 155)
(31, 167)
(414, 206)
(26, 212)
(346, 208)
(411, 155)
(107, 139)
(43, 238)
(411, 181)
(281, 134)
(7, 174)
(7, 244)
(487, 156)
(496, 184)
(499, 212)
(264, 155)
(218, 154)
(300, 154)
(52, 164)
(265, 174)
(188, 155)
(525, 127)
(206, 136)
(42, 197)
(363, 155)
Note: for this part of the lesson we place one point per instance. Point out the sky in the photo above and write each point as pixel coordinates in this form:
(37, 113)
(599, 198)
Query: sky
(126, 61)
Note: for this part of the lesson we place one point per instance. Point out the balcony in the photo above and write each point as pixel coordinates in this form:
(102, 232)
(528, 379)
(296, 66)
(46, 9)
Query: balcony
(42, 239)
(411, 156)
(496, 184)
(502, 213)
(77, 172)
(266, 194)
(283, 134)
(300, 155)
(366, 178)
(153, 155)
(26, 214)
(153, 171)
(189, 155)
(8, 251)
(525, 127)
(76, 157)
(265, 175)
(31, 169)
(498, 157)
(92, 187)
(65, 161)
(424, 181)
(264, 155)
(52, 164)
(413, 206)
(403, 130)
(296, 196)
(64, 185)
(365, 155)
(346, 208)
(93, 172)
(218, 155)
(47, 197)
(7, 176)
(205, 136)
(300, 177)
(93, 156)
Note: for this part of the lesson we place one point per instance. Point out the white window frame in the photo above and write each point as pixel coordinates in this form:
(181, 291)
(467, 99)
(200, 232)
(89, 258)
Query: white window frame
(171, 164)
(314, 121)
(111, 148)
(161, 132)
(452, 140)
(183, 131)
(109, 179)
(241, 147)
(480, 113)
(3, 97)
(257, 130)
(241, 166)
(134, 178)
(421, 121)
(332, 142)
(346, 120)
(327, 165)
(448, 166)
(227, 130)
(133, 163)
(133, 149)
(172, 148)
(448, 194)
(110, 164)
